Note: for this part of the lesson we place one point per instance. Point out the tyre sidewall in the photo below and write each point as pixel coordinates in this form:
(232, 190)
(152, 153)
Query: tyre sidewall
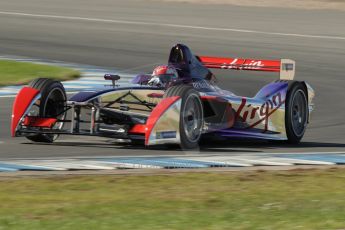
(46, 86)
(294, 138)
(186, 93)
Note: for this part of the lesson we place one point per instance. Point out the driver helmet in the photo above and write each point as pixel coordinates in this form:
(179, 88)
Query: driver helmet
(165, 72)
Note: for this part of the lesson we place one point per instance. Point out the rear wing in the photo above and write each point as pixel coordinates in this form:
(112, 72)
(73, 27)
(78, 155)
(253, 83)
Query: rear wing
(285, 67)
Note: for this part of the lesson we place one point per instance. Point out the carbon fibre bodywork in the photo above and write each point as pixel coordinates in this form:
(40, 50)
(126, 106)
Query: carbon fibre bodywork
(140, 112)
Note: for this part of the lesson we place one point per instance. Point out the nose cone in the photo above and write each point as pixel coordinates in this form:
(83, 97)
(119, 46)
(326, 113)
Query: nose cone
(21, 103)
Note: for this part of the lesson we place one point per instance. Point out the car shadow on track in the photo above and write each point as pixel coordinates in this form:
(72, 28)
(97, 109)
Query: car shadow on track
(214, 146)
(267, 145)
(124, 146)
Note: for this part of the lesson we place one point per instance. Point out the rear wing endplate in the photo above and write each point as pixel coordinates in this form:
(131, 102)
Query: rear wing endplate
(285, 67)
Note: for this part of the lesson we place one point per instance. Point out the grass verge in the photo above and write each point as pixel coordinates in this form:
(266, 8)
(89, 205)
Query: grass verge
(299, 199)
(14, 73)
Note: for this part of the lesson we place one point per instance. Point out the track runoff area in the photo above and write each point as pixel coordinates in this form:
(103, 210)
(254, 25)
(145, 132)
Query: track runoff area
(174, 162)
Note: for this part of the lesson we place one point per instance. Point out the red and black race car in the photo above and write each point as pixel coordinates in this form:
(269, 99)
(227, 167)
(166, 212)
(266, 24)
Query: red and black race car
(178, 104)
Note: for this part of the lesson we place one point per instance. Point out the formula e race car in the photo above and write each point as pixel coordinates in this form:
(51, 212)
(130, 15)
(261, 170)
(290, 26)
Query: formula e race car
(181, 109)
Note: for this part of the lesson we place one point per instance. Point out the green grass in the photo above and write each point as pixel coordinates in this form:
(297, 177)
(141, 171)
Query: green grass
(300, 199)
(14, 73)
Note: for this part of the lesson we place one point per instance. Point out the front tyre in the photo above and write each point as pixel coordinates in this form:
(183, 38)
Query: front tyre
(191, 116)
(296, 116)
(51, 105)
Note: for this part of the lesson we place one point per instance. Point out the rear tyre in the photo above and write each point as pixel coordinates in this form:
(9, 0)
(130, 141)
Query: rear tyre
(191, 116)
(51, 105)
(296, 113)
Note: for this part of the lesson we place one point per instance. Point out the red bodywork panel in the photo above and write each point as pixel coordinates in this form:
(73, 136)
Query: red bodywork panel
(240, 64)
(20, 105)
(138, 129)
(39, 122)
(155, 95)
(157, 113)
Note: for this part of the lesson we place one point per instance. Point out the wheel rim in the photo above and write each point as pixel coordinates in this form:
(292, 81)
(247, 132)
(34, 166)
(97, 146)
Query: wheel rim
(55, 105)
(192, 118)
(299, 113)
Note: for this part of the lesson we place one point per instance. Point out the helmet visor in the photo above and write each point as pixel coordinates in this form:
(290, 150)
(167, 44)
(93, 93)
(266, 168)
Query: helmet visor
(166, 77)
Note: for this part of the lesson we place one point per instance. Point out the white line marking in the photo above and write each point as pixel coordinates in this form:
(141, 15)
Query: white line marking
(259, 161)
(170, 25)
(68, 164)
(131, 165)
(7, 96)
(298, 161)
(219, 160)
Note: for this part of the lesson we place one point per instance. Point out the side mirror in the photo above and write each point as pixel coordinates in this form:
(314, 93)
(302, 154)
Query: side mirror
(112, 77)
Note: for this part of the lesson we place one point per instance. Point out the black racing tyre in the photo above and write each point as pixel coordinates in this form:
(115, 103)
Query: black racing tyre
(52, 104)
(191, 116)
(296, 112)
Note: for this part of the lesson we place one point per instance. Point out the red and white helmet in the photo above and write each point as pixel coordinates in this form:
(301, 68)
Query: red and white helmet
(164, 70)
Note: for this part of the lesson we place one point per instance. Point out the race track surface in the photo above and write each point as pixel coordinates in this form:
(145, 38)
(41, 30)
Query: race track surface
(136, 35)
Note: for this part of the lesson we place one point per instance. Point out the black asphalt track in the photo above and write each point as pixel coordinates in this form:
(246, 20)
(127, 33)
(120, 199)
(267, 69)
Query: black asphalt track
(136, 35)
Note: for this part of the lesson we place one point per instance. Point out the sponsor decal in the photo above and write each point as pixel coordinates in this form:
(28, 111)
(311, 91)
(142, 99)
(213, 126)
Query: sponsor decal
(242, 66)
(255, 115)
(201, 85)
(165, 134)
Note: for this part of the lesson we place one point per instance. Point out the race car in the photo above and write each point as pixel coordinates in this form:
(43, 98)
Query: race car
(178, 104)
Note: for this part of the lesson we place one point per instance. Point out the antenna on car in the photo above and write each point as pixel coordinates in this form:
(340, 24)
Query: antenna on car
(113, 78)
